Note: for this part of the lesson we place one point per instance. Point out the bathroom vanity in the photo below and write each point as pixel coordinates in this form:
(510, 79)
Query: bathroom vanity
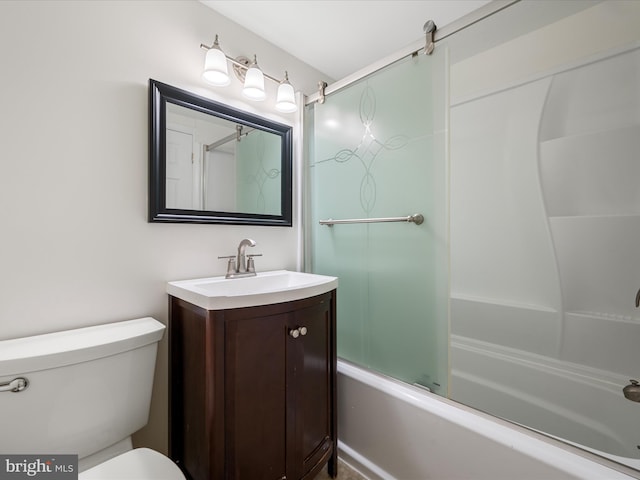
(253, 388)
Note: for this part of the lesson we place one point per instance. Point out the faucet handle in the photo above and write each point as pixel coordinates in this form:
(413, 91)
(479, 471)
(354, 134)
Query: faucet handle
(251, 267)
(231, 265)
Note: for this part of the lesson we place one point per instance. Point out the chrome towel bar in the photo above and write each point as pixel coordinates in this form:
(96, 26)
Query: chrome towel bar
(416, 218)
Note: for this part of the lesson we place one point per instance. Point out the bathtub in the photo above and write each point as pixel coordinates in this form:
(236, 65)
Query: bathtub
(390, 430)
(571, 401)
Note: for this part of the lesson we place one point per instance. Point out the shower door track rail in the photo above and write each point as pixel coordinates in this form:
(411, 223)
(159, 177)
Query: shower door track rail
(416, 218)
(413, 49)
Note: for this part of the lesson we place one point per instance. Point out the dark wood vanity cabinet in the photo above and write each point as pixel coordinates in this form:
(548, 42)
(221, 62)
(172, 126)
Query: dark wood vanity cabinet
(253, 390)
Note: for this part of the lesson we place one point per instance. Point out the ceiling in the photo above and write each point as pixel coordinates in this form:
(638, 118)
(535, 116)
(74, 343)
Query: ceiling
(340, 37)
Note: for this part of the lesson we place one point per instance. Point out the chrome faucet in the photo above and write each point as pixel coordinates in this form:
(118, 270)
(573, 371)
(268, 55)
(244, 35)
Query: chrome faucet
(241, 263)
(238, 265)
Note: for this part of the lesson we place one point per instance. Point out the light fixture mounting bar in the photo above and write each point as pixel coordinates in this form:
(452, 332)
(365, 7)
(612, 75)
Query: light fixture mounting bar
(241, 65)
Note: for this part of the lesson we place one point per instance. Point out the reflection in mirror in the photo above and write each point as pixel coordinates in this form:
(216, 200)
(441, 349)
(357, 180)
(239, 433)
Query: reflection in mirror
(213, 164)
(237, 168)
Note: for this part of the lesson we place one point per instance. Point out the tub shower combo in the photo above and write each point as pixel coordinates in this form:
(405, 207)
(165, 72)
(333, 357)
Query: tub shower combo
(481, 208)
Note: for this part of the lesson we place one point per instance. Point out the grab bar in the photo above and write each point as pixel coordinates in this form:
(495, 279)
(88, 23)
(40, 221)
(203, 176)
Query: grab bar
(15, 385)
(416, 218)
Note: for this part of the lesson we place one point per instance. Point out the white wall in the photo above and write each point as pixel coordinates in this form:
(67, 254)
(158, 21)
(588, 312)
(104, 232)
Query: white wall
(77, 249)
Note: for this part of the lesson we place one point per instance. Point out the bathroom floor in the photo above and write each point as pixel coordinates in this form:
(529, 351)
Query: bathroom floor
(344, 473)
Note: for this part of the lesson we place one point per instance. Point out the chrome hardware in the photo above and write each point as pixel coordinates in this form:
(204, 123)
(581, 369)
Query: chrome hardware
(238, 265)
(429, 30)
(241, 264)
(240, 66)
(322, 91)
(638, 299)
(296, 332)
(251, 267)
(15, 385)
(416, 218)
(632, 391)
(231, 266)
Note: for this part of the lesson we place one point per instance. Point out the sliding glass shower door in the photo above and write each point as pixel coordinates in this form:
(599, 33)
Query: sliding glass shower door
(377, 151)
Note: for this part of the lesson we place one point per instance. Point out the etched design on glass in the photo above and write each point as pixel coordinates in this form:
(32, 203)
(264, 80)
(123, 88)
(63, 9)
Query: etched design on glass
(261, 174)
(368, 149)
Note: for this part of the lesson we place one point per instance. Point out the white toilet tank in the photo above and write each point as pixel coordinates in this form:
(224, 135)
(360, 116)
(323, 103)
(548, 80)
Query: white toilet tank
(88, 388)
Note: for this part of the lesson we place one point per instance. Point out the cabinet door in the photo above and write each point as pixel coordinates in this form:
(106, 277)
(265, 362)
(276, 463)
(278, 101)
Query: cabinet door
(310, 377)
(255, 403)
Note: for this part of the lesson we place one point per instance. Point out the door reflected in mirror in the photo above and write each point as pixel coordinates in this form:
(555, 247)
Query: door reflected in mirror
(214, 164)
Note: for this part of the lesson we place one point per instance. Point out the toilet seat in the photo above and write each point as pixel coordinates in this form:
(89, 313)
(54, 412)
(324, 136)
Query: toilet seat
(136, 464)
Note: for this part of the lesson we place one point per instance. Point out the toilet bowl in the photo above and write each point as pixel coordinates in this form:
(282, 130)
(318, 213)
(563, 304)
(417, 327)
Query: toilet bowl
(84, 392)
(140, 463)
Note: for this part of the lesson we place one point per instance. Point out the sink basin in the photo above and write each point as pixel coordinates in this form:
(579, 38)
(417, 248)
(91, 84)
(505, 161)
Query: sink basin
(218, 293)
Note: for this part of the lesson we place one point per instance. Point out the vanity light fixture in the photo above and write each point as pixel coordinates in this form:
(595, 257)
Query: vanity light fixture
(216, 73)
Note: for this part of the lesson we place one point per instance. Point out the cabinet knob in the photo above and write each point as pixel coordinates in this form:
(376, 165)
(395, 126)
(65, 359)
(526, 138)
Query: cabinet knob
(296, 332)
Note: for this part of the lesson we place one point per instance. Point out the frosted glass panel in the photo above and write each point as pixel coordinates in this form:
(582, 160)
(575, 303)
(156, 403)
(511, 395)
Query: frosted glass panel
(378, 151)
(258, 161)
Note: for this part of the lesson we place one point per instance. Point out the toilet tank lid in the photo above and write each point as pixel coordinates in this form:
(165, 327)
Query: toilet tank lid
(51, 350)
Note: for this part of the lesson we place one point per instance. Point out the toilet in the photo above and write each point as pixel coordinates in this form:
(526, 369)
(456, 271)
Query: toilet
(84, 392)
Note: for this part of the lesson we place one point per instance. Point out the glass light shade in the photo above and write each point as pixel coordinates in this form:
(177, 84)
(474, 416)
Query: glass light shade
(215, 68)
(254, 84)
(286, 99)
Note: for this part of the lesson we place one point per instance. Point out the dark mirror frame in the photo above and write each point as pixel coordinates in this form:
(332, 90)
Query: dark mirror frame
(159, 95)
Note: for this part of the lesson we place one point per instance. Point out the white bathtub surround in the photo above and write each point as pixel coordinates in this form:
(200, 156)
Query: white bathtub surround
(418, 435)
(547, 188)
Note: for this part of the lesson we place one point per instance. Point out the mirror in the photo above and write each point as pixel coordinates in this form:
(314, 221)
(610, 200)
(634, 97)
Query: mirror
(210, 163)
